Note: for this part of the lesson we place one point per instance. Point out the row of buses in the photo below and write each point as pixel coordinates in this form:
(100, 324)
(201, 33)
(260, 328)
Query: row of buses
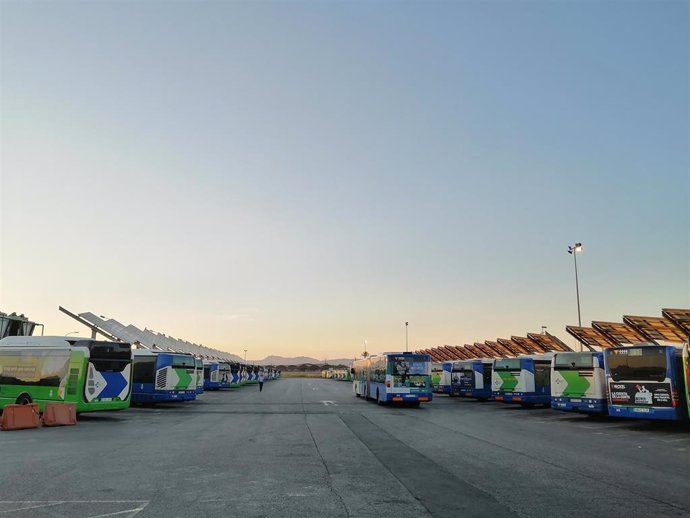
(645, 380)
(108, 375)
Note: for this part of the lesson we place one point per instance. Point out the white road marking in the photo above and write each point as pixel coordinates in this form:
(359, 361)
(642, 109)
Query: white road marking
(329, 403)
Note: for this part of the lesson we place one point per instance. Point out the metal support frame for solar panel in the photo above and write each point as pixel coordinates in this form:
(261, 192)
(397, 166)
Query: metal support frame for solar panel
(549, 342)
(526, 344)
(589, 337)
(657, 329)
(618, 333)
(94, 327)
(680, 317)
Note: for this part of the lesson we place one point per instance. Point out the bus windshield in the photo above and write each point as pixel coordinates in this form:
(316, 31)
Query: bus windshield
(462, 367)
(574, 361)
(638, 364)
(507, 365)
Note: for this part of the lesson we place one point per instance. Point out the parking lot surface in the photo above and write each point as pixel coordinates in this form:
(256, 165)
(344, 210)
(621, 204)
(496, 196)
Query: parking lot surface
(308, 447)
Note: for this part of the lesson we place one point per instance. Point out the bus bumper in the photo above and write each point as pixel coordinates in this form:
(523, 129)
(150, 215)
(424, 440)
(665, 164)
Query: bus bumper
(408, 398)
(665, 414)
(583, 405)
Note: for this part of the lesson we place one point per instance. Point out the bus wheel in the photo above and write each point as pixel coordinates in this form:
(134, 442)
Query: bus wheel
(24, 399)
(378, 399)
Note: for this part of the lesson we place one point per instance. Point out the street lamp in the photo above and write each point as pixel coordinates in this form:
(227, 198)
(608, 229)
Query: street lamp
(573, 250)
(406, 323)
(245, 356)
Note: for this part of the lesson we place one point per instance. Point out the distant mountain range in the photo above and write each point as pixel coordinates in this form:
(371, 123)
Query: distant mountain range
(299, 360)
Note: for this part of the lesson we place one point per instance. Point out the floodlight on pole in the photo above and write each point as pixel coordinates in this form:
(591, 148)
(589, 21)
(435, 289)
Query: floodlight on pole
(245, 355)
(573, 250)
(406, 324)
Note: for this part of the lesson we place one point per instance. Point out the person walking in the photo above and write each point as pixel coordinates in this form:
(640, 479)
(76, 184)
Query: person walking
(261, 380)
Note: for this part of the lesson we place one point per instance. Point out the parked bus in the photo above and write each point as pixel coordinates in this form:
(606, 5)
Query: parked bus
(472, 378)
(525, 380)
(686, 372)
(224, 374)
(646, 381)
(444, 383)
(211, 375)
(436, 373)
(162, 376)
(578, 382)
(235, 374)
(393, 377)
(199, 371)
(92, 374)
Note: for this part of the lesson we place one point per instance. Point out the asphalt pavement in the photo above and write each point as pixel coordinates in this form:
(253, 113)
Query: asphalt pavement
(309, 447)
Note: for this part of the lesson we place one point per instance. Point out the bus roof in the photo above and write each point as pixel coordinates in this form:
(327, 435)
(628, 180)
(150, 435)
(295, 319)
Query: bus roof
(50, 341)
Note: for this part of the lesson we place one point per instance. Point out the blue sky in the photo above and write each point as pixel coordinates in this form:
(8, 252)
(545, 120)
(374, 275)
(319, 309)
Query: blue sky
(296, 177)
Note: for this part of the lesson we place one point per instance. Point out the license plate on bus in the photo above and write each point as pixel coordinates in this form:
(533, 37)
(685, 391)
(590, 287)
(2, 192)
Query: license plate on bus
(641, 410)
(576, 401)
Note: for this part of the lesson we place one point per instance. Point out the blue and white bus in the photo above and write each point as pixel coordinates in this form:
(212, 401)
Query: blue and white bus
(393, 378)
(224, 374)
(646, 381)
(445, 379)
(211, 375)
(199, 370)
(472, 378)
(525, 380)
(578, 382)
(162, 376)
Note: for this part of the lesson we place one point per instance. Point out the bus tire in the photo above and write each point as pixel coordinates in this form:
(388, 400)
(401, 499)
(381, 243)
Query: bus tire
(378, 399)
(24, 399)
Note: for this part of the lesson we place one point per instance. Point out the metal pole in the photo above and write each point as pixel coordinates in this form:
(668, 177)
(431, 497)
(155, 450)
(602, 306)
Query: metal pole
(577, 292)
(406, 336)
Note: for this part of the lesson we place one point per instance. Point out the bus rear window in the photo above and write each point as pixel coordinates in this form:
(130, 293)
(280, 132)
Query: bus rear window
(574, 361)
(507, 365)
(639, 364)
(462, 367)
(183, 361)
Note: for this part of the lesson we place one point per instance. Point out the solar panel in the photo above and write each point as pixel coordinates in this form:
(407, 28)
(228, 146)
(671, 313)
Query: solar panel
(500, 348)
(453, 352)
(461, 352)
(590, 337)
(680, 317)
(657, 329)
(548, 342)
(510, 345)
(618, 333)
(110, 326)
(526, 345)
(488, 351)
(475, 352)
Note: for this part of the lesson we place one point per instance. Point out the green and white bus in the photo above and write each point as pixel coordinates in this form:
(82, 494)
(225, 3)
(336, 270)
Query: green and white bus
(578, 382)
(93, 374)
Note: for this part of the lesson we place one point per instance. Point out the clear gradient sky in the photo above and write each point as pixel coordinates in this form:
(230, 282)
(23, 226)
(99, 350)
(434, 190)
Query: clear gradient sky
(296, 177)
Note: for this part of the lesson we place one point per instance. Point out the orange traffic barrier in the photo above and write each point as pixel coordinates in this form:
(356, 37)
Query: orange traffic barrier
(19, 417)
(60, 414)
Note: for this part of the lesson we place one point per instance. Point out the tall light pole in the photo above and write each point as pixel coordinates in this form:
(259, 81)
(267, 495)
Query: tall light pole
(573, 250)
(245, 356)
(406, 324)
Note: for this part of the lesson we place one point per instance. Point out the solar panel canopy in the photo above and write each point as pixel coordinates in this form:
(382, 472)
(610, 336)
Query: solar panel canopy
(656, 329)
